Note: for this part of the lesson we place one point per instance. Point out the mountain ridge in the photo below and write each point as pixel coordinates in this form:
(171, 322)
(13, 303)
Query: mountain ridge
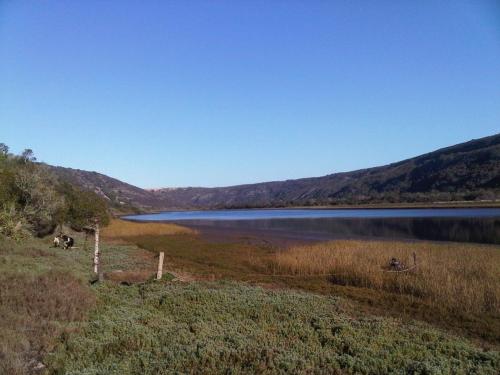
(465, 171)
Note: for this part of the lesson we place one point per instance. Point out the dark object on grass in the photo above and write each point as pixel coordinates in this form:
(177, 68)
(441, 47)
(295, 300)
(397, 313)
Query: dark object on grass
(68, 241)
(396, 265)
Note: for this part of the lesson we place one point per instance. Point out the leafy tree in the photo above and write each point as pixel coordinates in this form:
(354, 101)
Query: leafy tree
(82, 207)
(4, 149)
(37, 197)
(28, 155)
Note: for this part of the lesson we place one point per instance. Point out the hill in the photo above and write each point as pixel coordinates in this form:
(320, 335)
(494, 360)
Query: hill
(467, 171)
(119, 194)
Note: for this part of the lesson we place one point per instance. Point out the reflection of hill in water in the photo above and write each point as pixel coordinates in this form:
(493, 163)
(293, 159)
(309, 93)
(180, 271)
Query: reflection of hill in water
(485, 230)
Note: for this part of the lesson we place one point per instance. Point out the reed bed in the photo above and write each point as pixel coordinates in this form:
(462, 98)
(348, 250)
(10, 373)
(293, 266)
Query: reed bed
(121, 229)
(451, 275)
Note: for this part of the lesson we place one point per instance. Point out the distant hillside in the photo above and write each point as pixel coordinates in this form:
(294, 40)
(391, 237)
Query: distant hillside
(117, 193)
(467, 171)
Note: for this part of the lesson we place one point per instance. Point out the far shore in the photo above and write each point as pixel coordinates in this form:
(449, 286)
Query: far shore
(386, 206)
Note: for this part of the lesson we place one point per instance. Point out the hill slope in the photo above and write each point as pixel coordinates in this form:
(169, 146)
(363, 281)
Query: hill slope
(467, 171)
(116, 192)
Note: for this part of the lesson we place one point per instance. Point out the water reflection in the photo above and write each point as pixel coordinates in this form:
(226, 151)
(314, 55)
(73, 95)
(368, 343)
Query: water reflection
(482, 230)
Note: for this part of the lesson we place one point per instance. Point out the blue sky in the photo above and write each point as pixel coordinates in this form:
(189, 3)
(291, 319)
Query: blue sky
(213, 93)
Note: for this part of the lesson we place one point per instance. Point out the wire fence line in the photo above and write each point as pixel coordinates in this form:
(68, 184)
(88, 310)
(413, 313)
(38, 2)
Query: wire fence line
(324, 274)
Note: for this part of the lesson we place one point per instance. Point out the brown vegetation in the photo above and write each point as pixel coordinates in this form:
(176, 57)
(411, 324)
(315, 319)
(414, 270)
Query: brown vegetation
(205, 259)
(453, 275)
(31, 312)
(123, 229)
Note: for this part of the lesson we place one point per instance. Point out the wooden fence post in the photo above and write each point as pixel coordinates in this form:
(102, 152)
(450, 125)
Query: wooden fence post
(160, 267)
(96, 249)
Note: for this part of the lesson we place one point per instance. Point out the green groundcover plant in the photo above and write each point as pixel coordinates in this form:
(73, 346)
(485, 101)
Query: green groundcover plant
(230, 328)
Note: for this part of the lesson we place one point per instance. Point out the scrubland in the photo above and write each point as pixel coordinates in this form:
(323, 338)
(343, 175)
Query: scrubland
(232, 328)
(250, 318)
(42, 295)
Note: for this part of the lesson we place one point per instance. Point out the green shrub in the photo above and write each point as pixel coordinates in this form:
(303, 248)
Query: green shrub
(227, 328)
(12, 223)
(33, 200)
(82, 207)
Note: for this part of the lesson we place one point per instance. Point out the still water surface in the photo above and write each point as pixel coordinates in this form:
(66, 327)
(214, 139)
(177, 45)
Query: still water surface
(464, 225)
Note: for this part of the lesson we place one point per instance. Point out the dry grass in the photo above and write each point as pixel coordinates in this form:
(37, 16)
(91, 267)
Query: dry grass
(122, 229)
(452, 275)
(33, 312)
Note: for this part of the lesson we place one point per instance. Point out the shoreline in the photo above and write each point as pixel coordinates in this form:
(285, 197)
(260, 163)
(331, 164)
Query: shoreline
(476, 225)
(374, 206)
(286, 237)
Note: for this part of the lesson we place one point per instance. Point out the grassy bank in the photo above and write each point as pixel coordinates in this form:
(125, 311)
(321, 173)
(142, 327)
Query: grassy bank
(455, 286)
(51, 315)
(122, 229)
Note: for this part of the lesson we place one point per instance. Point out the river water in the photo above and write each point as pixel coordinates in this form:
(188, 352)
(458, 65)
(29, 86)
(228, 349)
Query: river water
(441, 224)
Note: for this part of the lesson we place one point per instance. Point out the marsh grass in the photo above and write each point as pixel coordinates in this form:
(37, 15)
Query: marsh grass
(121, 229)
(453, 275)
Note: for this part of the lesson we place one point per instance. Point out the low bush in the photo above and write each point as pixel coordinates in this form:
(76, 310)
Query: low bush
(228, 328)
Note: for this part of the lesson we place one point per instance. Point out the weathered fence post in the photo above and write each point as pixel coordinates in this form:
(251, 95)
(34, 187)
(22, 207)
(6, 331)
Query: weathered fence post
(96, 249)
(160, 267)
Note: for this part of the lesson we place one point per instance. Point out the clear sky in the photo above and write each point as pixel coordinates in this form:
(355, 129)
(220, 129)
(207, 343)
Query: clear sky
(213, 93)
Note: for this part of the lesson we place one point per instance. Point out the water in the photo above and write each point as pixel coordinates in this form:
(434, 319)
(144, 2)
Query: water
(463, 225)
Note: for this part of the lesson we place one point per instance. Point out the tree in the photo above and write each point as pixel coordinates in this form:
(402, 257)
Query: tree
(4, 149)
(28, 155)
(82, 207)
(37, 198)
